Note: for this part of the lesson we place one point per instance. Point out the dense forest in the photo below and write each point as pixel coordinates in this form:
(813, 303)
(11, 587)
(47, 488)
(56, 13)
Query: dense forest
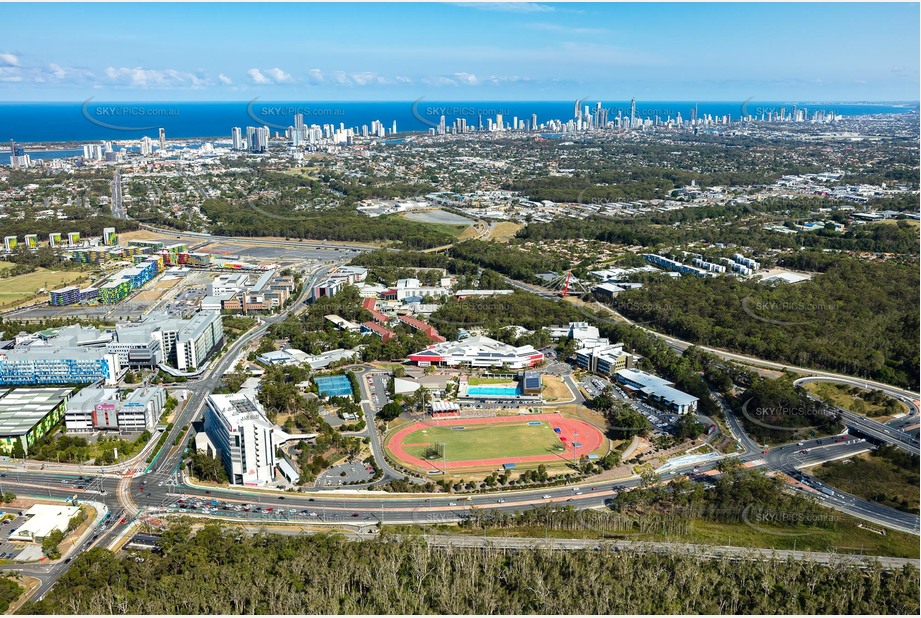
(495, 313)
(227, 572)
(506, 259)
(666, 230)
(856, 318)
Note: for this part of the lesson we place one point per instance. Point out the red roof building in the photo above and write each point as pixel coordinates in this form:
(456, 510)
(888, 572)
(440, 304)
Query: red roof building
(430, 331)
(384, 333)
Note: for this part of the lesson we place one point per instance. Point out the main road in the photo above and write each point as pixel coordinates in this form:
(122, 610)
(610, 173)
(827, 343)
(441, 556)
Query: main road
(860, 423)
(159, 489)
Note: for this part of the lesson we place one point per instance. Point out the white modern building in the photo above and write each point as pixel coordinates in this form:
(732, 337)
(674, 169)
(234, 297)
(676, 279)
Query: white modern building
(197, 338)
(43, 520)
(658, 391)
(184, 344)
(228, 284)
(579, 331)
(478, 351)
(96, 408)
(410, 288)
(238, 429)
(604, 358)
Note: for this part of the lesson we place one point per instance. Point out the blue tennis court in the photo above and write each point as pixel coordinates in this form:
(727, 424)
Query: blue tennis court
(334, 386)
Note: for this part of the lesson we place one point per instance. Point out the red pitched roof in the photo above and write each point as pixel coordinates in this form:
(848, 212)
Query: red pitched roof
(385, 333)
(430, 331)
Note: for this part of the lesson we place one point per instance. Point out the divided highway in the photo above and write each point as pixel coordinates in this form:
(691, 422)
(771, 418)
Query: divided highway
(158, 489)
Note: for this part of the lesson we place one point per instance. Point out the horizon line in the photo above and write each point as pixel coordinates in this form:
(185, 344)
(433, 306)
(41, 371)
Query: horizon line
(567, 101)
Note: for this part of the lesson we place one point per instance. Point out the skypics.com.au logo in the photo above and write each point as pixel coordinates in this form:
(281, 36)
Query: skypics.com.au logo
(760, 310)
(769, 417)
(430, 114)
(281, 117)
(122, 117)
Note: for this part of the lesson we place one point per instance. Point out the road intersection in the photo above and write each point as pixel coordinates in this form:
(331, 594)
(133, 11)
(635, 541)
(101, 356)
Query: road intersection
(129, 491)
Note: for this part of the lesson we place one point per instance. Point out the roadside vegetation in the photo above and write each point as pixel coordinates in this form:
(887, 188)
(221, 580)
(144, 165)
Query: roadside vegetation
(10, 590)
(216, 571)
(58, 446)
(887, 475)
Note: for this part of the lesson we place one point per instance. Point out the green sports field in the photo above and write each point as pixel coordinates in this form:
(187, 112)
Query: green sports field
(486, 441)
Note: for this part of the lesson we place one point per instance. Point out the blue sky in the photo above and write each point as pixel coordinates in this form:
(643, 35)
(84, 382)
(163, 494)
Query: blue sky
(459, 51)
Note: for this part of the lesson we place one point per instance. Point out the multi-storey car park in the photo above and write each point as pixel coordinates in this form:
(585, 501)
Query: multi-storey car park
(27, 414)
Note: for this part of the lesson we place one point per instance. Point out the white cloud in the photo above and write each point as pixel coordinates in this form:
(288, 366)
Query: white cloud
(8, 60)
(269, 76)
(153, 78)
(468, 79)
(10, 74)
(562, 29)
(315, 76)
(509, 7)
(367, 77)
(462, 78)
(257, 77)
(224, 79)
(279, 76)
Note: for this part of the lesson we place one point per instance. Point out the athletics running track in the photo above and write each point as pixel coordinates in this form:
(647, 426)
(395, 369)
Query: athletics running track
(590, 438)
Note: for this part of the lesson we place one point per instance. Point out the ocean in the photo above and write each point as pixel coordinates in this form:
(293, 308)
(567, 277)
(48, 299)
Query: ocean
(32, 124)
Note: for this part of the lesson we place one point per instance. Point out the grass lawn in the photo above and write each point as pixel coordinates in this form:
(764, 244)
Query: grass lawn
(469, 233)
(446, 228)
(481, 381)
(488, 441)
(504, 231)
(555, 389)
(896, 221)
(23, 287)
(857, 400)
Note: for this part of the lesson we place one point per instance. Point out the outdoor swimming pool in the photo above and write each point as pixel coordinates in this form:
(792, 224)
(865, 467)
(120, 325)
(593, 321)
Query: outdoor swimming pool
(492, 391)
